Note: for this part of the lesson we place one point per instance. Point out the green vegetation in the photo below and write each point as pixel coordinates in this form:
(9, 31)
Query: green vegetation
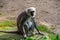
(54, 37)
(8, 28)
(44, 28)
(9, 25)
(51, 36)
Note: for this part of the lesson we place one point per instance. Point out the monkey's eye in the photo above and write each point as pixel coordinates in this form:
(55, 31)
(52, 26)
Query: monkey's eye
(32, 12)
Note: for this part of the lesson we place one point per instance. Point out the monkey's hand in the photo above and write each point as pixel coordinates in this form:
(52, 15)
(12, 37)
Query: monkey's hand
(40, 33)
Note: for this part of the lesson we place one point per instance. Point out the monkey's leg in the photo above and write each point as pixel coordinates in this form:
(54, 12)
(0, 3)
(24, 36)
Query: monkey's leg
(25, 30)
(24, 34)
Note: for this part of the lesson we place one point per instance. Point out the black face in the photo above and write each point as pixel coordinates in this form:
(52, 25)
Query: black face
(32, 13)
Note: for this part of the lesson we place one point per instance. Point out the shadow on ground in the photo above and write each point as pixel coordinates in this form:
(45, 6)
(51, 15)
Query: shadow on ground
(6, 36)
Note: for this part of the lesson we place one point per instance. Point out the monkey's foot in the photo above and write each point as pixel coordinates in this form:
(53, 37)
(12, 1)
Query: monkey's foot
(25, 36)
(30, 35)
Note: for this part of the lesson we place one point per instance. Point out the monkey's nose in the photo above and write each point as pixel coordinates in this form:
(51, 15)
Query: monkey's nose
(32, 13)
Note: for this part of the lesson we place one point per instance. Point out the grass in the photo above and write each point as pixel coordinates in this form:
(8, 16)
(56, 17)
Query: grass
(8, 25)
(54, 37)
(8, 28)
(44, 28)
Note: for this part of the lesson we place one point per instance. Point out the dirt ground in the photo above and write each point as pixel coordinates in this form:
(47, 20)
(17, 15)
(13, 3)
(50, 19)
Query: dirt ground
(48, 11)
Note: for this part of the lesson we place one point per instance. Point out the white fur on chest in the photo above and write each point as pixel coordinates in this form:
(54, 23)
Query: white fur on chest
(28, 23)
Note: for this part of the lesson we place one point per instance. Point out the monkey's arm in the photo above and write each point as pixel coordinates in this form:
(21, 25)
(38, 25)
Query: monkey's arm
(35, 25)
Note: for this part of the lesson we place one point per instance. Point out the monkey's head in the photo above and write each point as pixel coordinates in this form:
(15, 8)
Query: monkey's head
(31, 11)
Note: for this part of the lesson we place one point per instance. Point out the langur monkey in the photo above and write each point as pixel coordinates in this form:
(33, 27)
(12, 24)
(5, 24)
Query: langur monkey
(26, 22)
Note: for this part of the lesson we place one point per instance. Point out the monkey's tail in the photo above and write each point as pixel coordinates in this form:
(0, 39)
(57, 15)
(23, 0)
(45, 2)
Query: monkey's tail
(14, 32)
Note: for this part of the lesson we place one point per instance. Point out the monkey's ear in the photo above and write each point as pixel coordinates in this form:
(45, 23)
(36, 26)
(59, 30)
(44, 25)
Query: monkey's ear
(28, 10)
